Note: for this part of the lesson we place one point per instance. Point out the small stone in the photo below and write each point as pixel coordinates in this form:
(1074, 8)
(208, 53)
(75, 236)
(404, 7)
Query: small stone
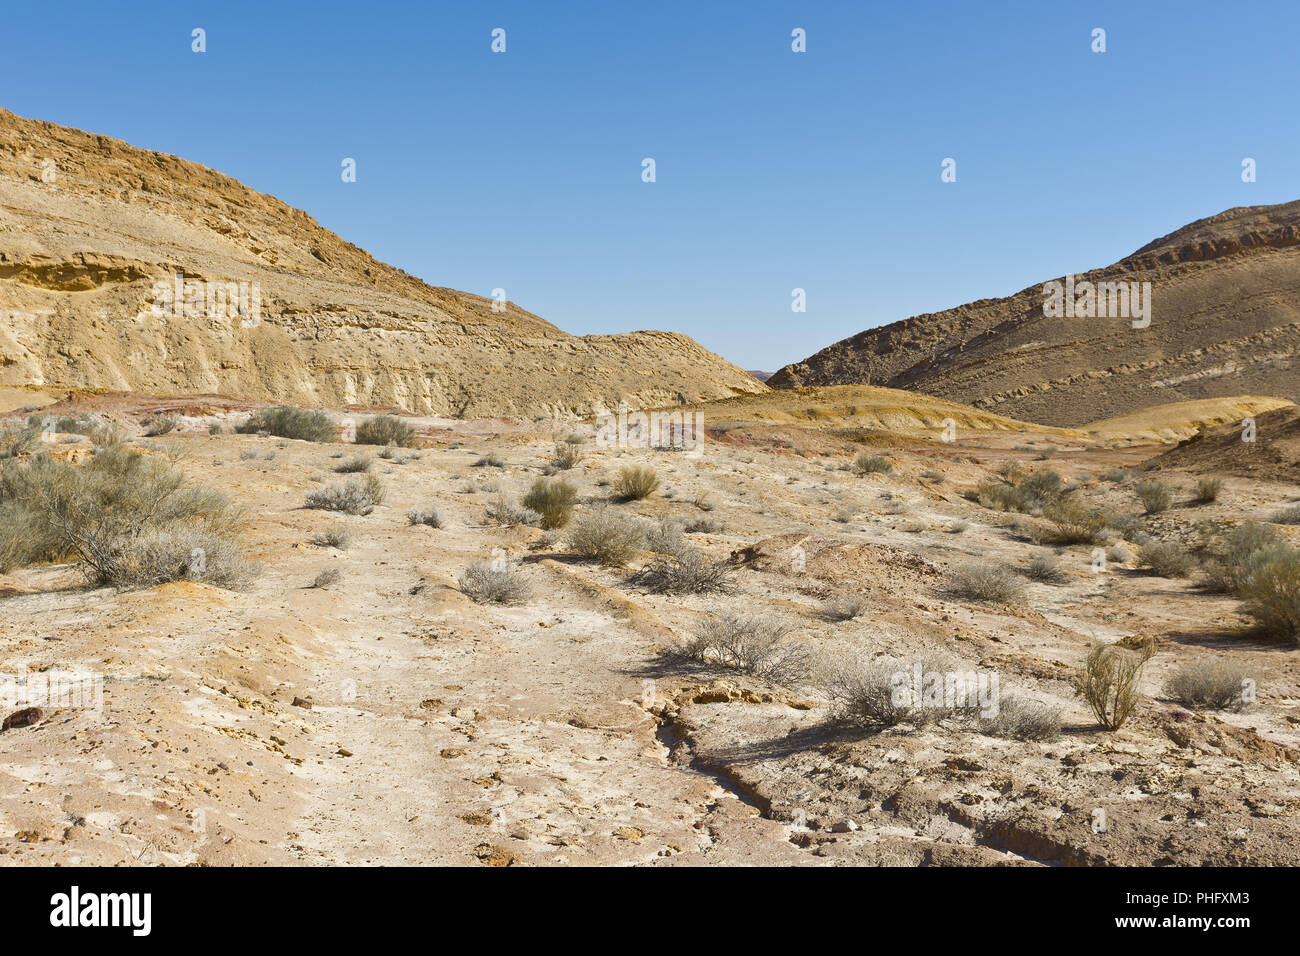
(844, 826)
(23, 718)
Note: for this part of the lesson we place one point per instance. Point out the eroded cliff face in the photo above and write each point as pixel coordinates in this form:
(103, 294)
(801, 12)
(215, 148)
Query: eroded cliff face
(93, 234)
(1225, 320)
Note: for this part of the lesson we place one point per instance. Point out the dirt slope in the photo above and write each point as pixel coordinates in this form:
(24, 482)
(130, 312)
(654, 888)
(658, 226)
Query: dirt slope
(89, 224)
(1225, 320)
(1274, 454)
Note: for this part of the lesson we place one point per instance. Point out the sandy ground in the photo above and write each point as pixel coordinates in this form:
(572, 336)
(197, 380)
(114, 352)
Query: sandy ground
(444, 732)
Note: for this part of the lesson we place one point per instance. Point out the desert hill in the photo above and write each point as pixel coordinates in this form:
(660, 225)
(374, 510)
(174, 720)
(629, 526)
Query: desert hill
(89, 225)
(1225, 320)
(1273, 455)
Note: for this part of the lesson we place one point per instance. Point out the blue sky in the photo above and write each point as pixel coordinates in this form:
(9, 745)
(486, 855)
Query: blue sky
(775, 170)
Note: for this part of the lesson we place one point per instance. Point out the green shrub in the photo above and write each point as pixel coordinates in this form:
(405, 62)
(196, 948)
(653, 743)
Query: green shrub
(553, 500)
(635, 483)
(1155, 495)
(1109, 679)
(872, 464)
(385, 430)
(1270, 586)
(286, 422)
(1169, 559)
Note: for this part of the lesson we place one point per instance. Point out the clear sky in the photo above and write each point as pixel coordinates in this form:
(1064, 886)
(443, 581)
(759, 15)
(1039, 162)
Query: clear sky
(775, 170)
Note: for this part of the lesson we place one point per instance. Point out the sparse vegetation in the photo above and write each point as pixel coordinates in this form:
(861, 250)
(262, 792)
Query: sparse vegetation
(1109, 678)
(358, 496)
(690, 571)
(490, 460)
(336, 537)
(131, 520)
(1169, 559)
(1046, 567)
(608, 536)
(156, 425)
(353, 465)
(1209, 683)
(488, 582)
(1208, 489)
(552, 500)
(635, 483)
(872, 464)
(505, 512)
(752, 645)
(877, 693)
(985, 582)
(287, 422)
(1156, 495)
(430, 517)
(385, 430)
(566, 456)
(1289, 515)
(1022, 718)
(844, 608)
(1270, 586)
(327, 577)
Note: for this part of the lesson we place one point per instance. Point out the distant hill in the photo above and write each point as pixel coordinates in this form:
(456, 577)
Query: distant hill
(93, 233)
(1225, 321)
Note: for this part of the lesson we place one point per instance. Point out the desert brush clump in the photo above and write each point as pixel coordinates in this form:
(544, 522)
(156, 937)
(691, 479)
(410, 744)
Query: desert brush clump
(501, 510)
(1023, 718)
(1208, 489)
(327, 577)
(430, 517)
(285, 421)
(872, 464)
(1109, 680)
(1074, 521)
(489, 460)
(878, 693)
(1169, 559)
(985, 582)
(1156, 495)
(758, 646)
(359, 496)
(1270, 588)
(17, 440)
(129, 519)
(689, 571)
(385, 430)
(494, 582)
(566, 456)
(1210, 683)
(335, 537)
(1289, 515)
(156, 425)
(608, 536)
(553, 500)
(844, 608)
(354, 465)
(634, 483)
(1045, 567)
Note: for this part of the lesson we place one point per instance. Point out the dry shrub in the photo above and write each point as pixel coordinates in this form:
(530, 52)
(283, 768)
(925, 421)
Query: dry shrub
(752, 645)
(1074, 521)
(871, 693)
(1270, 586)
(1045, 567)
(1109, 679)
(985, 582)
(357, 497)
(1023, 718)
(1289, 515)
(566, 456)
(1155, 495)
(286, 422)
(1169, 559)
(634, 483)
(353, 465)
(505, 512)
(844, 608)
(430, 517)
(1207, 489)
(336, 537)
(487, 582)
(132, 520)
(327, 577)
(156, 425)
(553, 500)
(385, 430)
(608, 536)
(1209, 683)
(872, 464)
(690, 571)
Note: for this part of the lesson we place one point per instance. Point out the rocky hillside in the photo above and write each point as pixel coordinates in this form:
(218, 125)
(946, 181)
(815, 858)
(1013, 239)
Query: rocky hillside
(1225, 320)
(93, 233)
